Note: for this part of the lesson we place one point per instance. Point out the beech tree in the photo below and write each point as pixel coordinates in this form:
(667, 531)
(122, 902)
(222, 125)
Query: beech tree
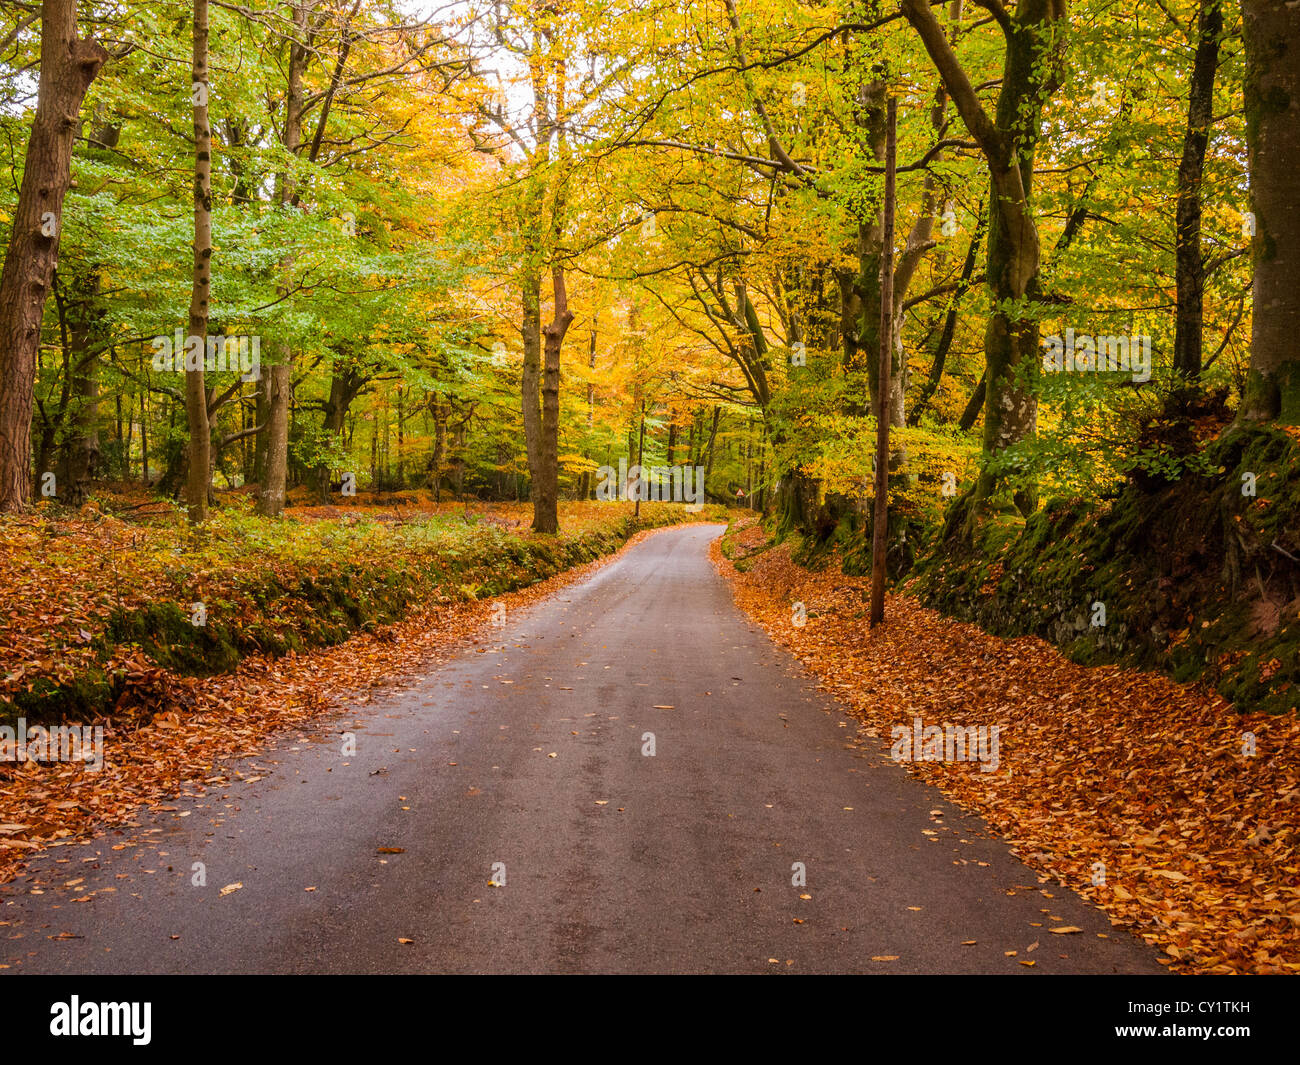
(68, 66)
(1272, 35)
(196, 393)
(1035, 36)
(278, 377)
(1189, 254)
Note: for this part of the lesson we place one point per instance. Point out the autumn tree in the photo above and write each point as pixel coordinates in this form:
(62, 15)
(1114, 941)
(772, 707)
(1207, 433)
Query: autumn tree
(68, 66)
(1035, 36)
(1188, 323)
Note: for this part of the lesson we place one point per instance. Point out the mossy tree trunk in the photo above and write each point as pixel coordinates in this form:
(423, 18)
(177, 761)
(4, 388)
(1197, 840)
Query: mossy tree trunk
(862, 341)
(196, 394)
(546, 517)
(1272, 36)
(1035, 36)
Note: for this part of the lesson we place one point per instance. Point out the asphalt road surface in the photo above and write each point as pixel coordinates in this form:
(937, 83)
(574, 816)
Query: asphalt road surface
(527, 760)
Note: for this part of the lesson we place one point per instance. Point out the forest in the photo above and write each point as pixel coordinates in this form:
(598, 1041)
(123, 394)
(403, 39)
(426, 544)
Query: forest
(412, 218)
(320, 316)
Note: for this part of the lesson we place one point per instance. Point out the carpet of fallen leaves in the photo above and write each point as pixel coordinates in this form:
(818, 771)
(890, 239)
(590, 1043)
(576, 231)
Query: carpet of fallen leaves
(62, 573)
(1200, 843)
(174, 734)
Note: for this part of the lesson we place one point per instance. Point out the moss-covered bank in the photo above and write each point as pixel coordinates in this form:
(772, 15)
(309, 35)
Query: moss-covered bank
(1199, 577)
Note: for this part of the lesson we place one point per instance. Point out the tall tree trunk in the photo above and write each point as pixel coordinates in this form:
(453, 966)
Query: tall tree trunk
(271, 497)
(708, 451)
(880, 519)
(343, 389)
(196, 395)
(374, 447)
(591, 385)
(1272, 34)
(531, 375)
(144, 437)
(1035, 36)
(401, 441)
(125, 435)
(531, 275)
(279, 383)
(546, 489)
(1189, 261)
(641, 478)
(920, 239)
(248, 446)
(262, 417)
(439, 447)
(862, 345)
(749, 462)
(68, 66)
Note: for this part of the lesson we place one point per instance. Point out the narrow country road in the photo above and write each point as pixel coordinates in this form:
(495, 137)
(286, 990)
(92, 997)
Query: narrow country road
(529, 752)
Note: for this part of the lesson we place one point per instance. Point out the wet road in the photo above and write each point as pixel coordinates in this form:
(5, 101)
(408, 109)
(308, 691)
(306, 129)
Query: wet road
(647, 773)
